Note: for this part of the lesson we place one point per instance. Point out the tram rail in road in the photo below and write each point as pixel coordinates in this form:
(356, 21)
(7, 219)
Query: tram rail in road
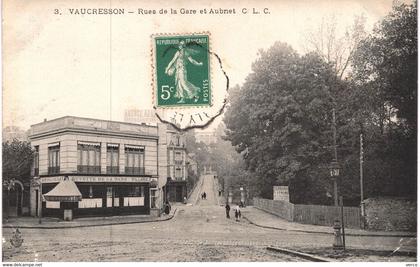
(298, 254)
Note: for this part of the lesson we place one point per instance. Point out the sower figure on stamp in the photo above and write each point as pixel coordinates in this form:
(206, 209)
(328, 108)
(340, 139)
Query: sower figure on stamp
(178, 66)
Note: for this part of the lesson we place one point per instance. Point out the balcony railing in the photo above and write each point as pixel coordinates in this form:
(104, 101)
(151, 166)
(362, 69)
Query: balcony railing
(112, 169)
(86, 169)
(134, 170)
(54, 170)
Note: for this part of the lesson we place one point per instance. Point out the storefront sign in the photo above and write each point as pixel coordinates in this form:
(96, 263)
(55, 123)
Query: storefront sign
(98, 179)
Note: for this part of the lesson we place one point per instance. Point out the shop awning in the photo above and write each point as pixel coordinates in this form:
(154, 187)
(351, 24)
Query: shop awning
(65, 191)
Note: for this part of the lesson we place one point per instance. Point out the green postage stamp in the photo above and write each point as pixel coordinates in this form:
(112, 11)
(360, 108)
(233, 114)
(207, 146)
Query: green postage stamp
(181, 70)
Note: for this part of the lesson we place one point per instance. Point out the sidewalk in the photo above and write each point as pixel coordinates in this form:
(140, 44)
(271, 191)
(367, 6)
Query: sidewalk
(55, 223)
(193, 198)
(266, 220)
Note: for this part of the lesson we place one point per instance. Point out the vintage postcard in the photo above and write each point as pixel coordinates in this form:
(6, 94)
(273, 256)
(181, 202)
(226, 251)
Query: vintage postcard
(227, 131)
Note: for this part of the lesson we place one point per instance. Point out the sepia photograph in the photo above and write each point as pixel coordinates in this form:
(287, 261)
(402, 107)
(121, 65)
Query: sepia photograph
(237, 132)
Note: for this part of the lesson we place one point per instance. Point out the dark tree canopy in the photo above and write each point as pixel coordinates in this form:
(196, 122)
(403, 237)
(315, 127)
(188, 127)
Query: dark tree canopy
(17, 160)
(281, 117)
(386, 63)
(385, 97)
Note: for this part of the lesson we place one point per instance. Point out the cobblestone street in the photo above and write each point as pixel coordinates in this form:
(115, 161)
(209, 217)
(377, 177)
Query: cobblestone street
(198, 232)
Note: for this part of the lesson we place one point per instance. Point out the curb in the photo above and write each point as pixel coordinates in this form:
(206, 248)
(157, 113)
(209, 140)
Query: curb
(320, 232)
(299, 254)
(90, 225)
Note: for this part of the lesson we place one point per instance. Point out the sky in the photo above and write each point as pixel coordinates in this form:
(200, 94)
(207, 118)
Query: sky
(97, 66)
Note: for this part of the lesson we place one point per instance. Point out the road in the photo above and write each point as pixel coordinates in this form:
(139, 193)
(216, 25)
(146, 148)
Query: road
(198, 232)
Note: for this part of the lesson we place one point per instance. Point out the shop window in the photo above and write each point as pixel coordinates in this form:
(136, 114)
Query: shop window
(88, 158)
(134, 160)
(135, 191)
(54, 158)
(112, 159)
(90, 191)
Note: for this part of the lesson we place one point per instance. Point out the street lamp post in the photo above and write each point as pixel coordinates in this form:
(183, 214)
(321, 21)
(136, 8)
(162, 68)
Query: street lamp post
(361, 176)
(334, 174)
(334, 166)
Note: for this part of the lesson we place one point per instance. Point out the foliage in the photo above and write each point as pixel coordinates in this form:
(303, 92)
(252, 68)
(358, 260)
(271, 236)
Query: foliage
(385, 78)
(386, 64)
(226, 162)
(17, 160)
(280, 119)
(197, 150)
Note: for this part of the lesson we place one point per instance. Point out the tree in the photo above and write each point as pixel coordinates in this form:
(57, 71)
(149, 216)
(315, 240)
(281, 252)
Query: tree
(17, 160)
(385, 94)
(226, 161)
(197, 152)
(280, 119)
(335, 49)
(386, 64)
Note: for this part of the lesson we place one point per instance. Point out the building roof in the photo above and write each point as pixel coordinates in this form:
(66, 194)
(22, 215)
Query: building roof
(94, 126)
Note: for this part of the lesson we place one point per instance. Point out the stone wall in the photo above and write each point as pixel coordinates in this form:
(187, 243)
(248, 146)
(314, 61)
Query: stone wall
(391, 214)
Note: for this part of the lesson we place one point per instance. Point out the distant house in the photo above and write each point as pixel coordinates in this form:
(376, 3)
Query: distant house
(135, 115)
(207, 137)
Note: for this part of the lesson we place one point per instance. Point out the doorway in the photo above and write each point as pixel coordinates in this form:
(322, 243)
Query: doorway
(179, 197)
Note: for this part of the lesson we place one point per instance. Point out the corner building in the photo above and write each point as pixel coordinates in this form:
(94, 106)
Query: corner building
(119, 168)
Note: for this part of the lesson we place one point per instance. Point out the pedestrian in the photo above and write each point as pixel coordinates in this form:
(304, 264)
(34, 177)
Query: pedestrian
(167, 207)
(227, 207)
(205, 195)
(237, 213)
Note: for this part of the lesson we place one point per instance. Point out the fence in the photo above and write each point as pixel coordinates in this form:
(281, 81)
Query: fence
(309, 214)
(280, 208)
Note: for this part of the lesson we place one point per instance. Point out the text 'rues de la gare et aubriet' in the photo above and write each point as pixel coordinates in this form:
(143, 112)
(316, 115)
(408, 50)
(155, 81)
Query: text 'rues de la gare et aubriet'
(164, 11)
